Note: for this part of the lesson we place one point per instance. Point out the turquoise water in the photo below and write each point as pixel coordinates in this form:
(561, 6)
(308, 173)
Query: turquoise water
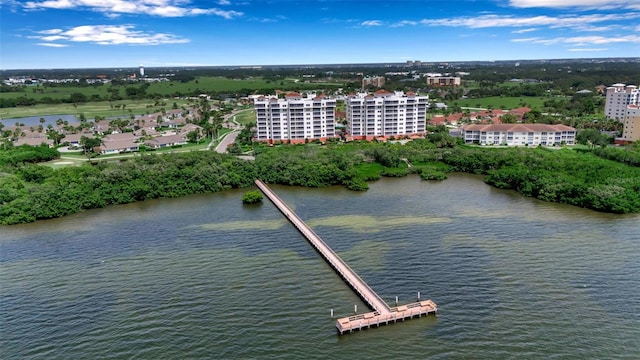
(205, 277)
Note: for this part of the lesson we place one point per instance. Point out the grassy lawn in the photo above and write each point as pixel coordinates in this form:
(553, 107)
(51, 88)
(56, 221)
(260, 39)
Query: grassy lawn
(90, 109)
(167, 88)
(246, 117)
(498, 102)
(369, 170)
(222, 84)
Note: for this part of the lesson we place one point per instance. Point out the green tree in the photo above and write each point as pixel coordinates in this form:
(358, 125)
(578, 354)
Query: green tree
(193, 136)
(508, 119)
(55, 136)
(252, 197)
(592, 138)
(88, 145)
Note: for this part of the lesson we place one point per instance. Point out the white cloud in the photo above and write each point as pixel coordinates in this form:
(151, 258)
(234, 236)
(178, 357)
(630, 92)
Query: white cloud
(526, 40)
(522, 31)
(52, 38)
(224, 2)
(582, 40)
(491, 21)
(405, 23)
(108, 35)
(50, 31)
(112, 8)
(52, 45)
(589, 49)
(371, 23)
(590, 4)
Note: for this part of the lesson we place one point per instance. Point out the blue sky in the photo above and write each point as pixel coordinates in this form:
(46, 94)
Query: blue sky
(117, 33)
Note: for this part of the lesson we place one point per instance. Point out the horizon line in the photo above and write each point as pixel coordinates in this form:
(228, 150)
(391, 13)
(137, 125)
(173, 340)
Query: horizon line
(635, 58)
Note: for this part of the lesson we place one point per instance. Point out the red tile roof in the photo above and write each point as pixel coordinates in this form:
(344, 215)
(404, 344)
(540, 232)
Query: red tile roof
(517, 127)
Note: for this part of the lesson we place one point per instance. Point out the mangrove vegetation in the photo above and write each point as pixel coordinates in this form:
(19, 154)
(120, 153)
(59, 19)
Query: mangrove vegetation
(602, 180)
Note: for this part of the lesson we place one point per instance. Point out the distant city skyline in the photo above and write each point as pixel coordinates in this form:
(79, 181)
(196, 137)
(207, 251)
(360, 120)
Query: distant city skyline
(44, 34)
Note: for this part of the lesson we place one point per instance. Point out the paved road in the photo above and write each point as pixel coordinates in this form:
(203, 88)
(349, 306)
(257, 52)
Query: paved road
(226, 141)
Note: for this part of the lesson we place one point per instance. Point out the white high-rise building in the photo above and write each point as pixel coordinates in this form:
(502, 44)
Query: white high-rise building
(386, 114)
(619, 96)
(295, 119)
(141, 71)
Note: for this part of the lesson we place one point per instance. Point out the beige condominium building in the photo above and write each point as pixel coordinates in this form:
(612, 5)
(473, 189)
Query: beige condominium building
(631, 122)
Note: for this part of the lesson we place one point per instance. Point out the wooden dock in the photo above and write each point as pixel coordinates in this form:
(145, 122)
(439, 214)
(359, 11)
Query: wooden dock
(382, 314)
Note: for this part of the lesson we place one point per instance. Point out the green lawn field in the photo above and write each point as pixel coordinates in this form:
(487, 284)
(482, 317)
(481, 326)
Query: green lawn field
(165, 89)
(246, 117)
(498, 102)
(90, 109)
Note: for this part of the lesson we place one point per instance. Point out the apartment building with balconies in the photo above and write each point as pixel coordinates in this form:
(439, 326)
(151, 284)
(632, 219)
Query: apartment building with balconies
(295, 119)
(618, 97)
(519, 134)
(631, 122)
(443, 81)
(386, 114)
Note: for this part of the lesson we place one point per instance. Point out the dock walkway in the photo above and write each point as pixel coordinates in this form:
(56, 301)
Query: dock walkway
(382, 313)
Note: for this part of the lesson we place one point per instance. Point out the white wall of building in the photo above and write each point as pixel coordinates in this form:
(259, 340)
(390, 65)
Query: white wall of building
(618, 97)
(519, 134)
(295, 118)
(386, 114)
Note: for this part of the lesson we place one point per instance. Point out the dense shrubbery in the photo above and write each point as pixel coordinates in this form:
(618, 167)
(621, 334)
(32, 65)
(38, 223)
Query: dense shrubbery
(564, 176)
(629, 155)
(30, 192)
(305, 166)
(37, 192)
(14, 155)
(252, 197)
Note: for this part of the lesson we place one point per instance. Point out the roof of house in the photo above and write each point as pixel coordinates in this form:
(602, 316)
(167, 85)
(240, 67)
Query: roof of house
(520, 110)
(518, 127)
(77, 137)
(189, 127)
(165, 140)
(118, 145)
(117, 137)
(382, 92)
(32, 141)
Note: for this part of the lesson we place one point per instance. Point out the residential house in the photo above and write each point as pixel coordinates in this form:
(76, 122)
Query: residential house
(189, 128)
(118, 146)
(33, 141)
(159, 142)
(74, 139)
(121, 136)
